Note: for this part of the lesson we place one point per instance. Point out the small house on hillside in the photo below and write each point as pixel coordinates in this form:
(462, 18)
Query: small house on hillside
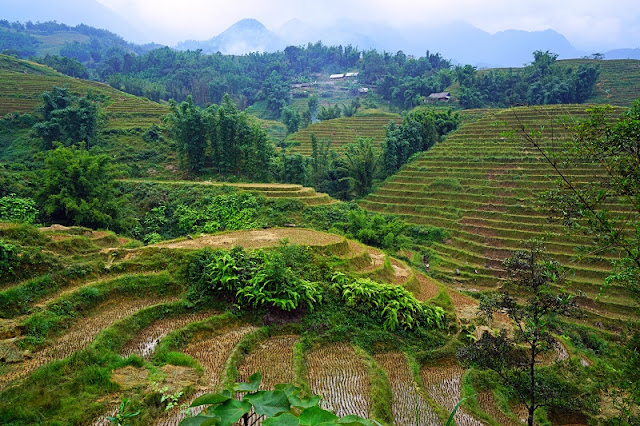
(336, 76)
(363, 90)
(441, 96)
(351, 74)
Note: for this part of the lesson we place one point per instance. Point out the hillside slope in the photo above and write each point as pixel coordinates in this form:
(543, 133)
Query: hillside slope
(484, 188)
(343, 131)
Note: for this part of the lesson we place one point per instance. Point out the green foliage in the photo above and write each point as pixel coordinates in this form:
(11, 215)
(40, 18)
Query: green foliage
(188, 126)
(275, 91)
(270, 279)
(516, 360)
(391, 304)
(67, 118)
(122, 417)
(284, 405)
(361, 166)
(224, 212)
(420, 129)
(329, 112)
(291, 119)
(78, 189)
(375, 229)
(541, 82)
(8, 258)
(17, 209)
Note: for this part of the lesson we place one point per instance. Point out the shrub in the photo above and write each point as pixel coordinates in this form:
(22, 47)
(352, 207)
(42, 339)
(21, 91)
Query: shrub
(17, 209)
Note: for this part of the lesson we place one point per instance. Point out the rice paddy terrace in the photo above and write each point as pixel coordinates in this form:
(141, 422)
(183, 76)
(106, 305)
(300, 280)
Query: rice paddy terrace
(99, 292)
(23, 82)
(343, 131)
(484, 187)
(270, 191)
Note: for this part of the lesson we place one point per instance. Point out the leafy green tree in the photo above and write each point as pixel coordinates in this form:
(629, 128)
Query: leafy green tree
(361, 166)
(67, 118)
(238, 145)
(610, 143)
(516, 360)
(321, 160)
(189, 129)
(329, 112)
(275, 91)
(78, 189)
(291, 119)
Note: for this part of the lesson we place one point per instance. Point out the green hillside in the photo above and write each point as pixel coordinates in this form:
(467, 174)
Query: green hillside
(124, 117)
(619, 81)
(484, 188)
(343, 131)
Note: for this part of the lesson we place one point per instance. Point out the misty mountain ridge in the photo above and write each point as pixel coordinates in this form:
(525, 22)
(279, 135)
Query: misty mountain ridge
(247, 35)
(510, 48)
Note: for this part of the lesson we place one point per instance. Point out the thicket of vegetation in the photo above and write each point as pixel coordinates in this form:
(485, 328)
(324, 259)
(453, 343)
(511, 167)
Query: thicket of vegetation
(542, 82)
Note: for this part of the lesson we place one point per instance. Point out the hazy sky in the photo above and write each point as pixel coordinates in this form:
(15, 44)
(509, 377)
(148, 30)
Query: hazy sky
(588, 24)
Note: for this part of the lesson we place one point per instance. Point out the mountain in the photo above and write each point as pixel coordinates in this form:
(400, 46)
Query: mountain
(511, 48)
(623, 54)
(247, 35)
(70, 12)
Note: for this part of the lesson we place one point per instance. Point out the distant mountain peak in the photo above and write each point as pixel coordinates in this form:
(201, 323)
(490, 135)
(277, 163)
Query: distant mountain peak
(248, 24)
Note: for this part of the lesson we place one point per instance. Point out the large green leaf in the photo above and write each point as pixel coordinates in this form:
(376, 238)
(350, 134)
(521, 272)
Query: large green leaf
(285, 419)
(315, 415)
(304, 402)
(269, 403)
(252, 386)
(209, 398)
(231, 411)
(200, 420)
(354, 420)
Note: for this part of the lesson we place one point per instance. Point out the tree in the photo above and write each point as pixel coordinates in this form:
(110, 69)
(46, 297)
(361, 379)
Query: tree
(291, 119)
(361, 164)
(67, 118)
(188, 126)
(276, 92)
(516, 360)
(611, 145)
(238, 144)
(78, 189)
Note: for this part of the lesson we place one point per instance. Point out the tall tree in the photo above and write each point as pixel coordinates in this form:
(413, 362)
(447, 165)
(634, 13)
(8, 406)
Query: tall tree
(188, 127)
(67, 118)
(78, 189)
(516, 360)
(361, 165)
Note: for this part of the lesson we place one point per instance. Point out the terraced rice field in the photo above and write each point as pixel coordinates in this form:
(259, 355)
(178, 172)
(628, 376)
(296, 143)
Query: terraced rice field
(337, 372)
(24, 82)
(409, 407)
(145, 342)
(443, 384)
(339, 376)
(273, 358)
(269, 190)
(80, 335)
(343, 131)
(484, 187)
(212, 354)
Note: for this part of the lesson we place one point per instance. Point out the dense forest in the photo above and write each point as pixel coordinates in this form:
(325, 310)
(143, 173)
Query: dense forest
(162, 73)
